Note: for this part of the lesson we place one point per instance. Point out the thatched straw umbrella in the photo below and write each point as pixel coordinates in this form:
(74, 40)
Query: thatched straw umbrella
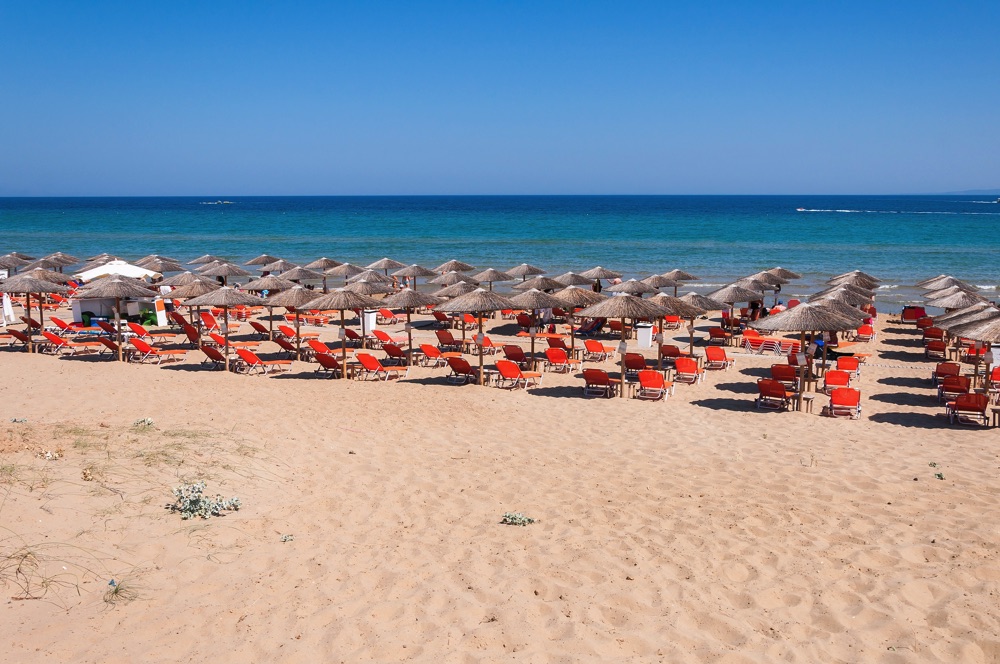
(119, 288)
(162, 265)
(573, 296)
(966, 318)
(845, 310)
(342, 300)
(225, 270)
(263, 259)
(623, 307)
(923, 283)
(857, 273)
(477, 302)
(987, 331)
(204, 260)
(733, 293)
(44, 264)
(675, 306)
(461, 288)
(409, 300)
(345, 271)
(848, 287)
(948, 282)
(270, 283)
(659, 281)
(368, 288)
(535, 299)
(492, 275)
(524, 271)
(702, 302)
(938, 293)
(323, 264)
(183, 279)
(225, 297)
(68, 259)
(46, 275)
(371, 276)
(755, 285)
(191, 290)
(956, 301)
(296, 296)
(598, 273)
(386, 264)
(301, 274)
(573, 279)
(11, 262)
(412, 272)
(680, 275)
(972, 308)
(452, 278)
(539, 283)
(632, 287)
(278, 266)
(784, 274)
(807, 317)
(843, 295)
(454, 266)
(25, 283)
(854, 280)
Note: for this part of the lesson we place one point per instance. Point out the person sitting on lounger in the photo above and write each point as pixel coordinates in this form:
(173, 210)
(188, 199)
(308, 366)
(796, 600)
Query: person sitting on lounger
(591, 327)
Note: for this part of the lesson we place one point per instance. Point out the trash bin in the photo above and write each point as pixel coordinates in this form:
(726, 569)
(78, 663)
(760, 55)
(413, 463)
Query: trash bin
(370, 323)
(644, 334)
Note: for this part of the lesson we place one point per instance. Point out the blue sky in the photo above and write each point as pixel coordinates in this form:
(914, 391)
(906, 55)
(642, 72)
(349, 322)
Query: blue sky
(253, 98)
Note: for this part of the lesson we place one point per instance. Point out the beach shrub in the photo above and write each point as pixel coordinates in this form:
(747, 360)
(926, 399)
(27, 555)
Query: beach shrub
(515, 519)
(191, 502)
(144, 423)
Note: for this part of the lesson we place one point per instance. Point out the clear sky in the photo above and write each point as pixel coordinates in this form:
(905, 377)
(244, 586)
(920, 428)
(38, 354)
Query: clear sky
(467, 97)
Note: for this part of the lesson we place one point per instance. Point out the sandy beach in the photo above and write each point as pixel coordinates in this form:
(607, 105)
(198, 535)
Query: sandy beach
(698, 529)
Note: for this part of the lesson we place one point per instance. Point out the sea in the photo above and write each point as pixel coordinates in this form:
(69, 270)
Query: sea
(899, 239)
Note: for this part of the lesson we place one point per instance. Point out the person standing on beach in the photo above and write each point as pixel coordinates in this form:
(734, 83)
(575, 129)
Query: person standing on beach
(597, 286)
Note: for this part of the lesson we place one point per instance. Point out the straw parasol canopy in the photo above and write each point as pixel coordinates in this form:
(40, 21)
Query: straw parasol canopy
(540, 283)
(972, 308)
(87, 267)
(28, 283)
(966, 318)
(182, 279)
(368, 287)
(409, 300)
(680, 275)
(842, 295)
(601, 273)
(768, 278)
(263, 259)
(573, 279)
(524, 271)
(195, 289)
(947, 282)
(732, 294)
(370, 276)
(702, 302)
(536, 299)
(454, 266)
(923, 283)
(294, 297)
(269, 283)
(202, 260)
(461, 288)
(279, 266)
(854, 280)
(806, 317)
(755, 285)
(477, 302)
(854, 289)
(322, 263)
(857, 273)
(225, 297)
(956, 301)
(342, 300)
(986, 330)
(64, 259)
(300, 273)
(675, 306)
(452, 278)
(90, 259)
(950, 290)
(386, 264)
(414, 271)
(844, 310)
(623, 306)
(659, 281)
(154, 257)
(119, 288)
(632, 287)
(225, 270)
(44, 264)
(574, 296)
(344, 271)
(492, 275)
(11, 261)
(784, 274)
(47, 275)
(162, 265)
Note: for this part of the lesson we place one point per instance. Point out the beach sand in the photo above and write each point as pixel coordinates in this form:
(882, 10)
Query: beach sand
(693, 530)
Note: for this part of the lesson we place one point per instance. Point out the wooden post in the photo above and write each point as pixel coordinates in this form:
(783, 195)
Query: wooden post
(479, 315)
(343, 348)
(621, 386)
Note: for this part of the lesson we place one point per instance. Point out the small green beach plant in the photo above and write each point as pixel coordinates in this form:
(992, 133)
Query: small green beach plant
(515, 519)
(191, 502)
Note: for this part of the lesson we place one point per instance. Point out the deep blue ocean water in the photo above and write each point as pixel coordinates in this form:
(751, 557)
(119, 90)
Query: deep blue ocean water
(900, 239)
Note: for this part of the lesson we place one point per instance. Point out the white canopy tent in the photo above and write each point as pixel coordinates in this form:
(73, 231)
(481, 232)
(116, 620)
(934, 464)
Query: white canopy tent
(118, 267)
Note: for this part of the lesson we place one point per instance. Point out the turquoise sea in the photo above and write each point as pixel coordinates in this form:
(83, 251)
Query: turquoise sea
(900, 239)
